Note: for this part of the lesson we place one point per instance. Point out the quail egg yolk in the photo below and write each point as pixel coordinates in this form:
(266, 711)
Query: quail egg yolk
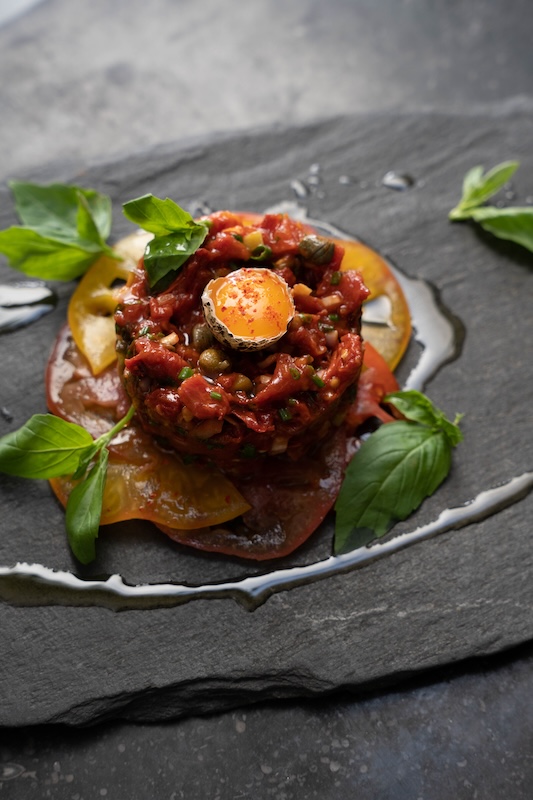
(248, 306)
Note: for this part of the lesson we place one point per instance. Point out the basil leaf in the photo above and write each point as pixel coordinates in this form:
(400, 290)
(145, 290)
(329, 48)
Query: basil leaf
(417, 407)
(512, 223)
(55, 207)
(164, 255)
(84, 509)
(394, 470)
(177, 235)
(41, 257)
(479, 187)
(45, 447)
(64, 230)
(158, 216)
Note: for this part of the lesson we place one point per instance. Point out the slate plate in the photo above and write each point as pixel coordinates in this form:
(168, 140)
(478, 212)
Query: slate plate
(463, 593)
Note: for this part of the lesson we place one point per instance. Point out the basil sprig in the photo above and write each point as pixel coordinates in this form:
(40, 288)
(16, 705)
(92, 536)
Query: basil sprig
(394, 470)
(514, 223)
(50, 447)
(177, 236)
(64, 229)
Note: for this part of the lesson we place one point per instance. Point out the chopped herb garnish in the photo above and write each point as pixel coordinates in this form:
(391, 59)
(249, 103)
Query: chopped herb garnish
(295, 373)
(285, 414)
(215, 395)
(318, 381)
(335, 278)
(185, 372)
(248, 451)
(334, 317)
(261, 253)
(238, 237)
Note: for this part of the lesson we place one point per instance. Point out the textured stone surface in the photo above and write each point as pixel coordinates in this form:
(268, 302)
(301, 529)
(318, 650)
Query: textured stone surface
(462, 594)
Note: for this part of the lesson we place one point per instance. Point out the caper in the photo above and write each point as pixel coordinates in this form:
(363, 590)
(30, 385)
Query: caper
(202, 338)
(316, 249)
(242, 383)
(213, 361)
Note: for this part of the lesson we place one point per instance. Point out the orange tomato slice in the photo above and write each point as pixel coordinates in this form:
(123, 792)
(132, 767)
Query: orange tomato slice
(389, 330)
(161, 489)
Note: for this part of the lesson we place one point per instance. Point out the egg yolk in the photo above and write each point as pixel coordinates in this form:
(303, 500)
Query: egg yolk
(251, 303)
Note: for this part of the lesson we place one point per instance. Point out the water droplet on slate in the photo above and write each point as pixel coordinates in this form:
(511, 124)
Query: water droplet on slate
(299, 188)
(397, 181)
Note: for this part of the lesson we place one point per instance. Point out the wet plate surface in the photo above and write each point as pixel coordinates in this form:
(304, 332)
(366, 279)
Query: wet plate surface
(458, 594)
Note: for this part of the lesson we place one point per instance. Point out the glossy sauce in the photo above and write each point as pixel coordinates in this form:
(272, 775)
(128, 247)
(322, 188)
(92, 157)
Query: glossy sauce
(23, 303)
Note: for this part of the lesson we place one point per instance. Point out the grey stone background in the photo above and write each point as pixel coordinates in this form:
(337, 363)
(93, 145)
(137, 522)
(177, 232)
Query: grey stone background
(93, 81)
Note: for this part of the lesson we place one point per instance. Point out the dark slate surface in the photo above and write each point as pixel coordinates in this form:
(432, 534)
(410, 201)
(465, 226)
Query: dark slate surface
(462, 594)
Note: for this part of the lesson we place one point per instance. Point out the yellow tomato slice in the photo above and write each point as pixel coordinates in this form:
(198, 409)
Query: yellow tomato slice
(93, 303)
(143, 482)
(390, 331)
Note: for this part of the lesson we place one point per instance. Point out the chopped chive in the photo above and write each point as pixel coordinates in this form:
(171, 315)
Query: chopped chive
(144, 330)
(248, 451)
(261, 253)
(185, 372)
(318, 381)
(305, 318)
(285, 414)
(335, 278)
(215, 395)
(238, 237)
(295, 373)
(325, 328)
(292, 401)
(334, 317)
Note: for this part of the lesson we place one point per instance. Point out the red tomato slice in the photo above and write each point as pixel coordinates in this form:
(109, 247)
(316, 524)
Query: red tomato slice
(375, 381)
(288, 503)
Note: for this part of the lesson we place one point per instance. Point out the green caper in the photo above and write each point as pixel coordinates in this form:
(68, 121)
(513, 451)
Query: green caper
(242, 383)
(316, 249)
(213, 361)
(202, 338)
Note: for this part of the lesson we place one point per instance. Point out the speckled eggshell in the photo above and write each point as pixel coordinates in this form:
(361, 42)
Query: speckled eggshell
(225, 336)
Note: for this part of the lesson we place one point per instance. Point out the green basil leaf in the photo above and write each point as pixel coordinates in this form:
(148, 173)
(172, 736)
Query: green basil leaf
(84, 509)
(177, 236)
(158, 216)
(55, 207)
(513, 223)
(479, 187)
(164, 255)
(417, 407)
(63, 232)
(45, 447)
(394, 470)
(86, 227)
(41, 257)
